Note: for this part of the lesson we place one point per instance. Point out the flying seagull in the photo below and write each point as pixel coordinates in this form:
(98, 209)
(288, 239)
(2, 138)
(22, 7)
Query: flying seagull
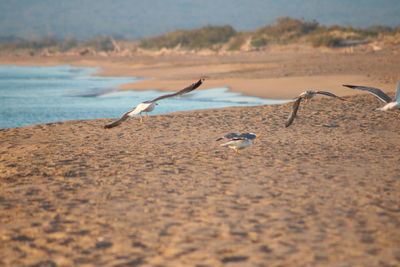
(149, 105)
(389, 102)
(238, 141)
(307, 95)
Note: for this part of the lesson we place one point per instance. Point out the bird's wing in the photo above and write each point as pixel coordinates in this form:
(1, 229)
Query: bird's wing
(119, 121)
(181, 92)
(397, 96)
(329, 94)
(141, 107)
(228, 136)
(375, 91)
(249, 136)
(292, 115)
(136, 110)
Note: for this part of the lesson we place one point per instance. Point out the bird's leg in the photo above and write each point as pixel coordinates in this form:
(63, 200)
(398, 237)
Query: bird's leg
(141, 118)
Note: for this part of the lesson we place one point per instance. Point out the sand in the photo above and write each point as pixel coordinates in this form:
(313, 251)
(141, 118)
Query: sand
(277, 75)
(323, 192)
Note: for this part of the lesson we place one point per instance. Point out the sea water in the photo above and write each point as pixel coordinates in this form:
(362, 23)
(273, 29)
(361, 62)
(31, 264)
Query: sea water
(32, 95)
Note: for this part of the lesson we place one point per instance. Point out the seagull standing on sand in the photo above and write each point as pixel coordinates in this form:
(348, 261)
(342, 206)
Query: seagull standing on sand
(149, 105)
(307, 95)
(238, 141)
(389, 102)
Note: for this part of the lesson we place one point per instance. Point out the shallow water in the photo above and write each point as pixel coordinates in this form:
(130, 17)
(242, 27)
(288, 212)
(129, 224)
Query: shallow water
(31, 95)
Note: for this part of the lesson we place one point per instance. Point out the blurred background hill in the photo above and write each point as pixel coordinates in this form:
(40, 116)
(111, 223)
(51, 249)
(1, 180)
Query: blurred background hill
(137, 19)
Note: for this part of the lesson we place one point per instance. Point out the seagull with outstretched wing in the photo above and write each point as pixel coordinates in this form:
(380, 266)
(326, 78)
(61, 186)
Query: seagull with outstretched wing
(149, 105)
(307, 95)
(389, 102)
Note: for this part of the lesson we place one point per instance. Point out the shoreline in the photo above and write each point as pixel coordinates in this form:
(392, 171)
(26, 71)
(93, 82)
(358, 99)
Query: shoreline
(279, 88)
(242, 74)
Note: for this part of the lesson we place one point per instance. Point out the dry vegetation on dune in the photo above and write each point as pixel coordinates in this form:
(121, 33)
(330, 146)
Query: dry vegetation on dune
(284, 31)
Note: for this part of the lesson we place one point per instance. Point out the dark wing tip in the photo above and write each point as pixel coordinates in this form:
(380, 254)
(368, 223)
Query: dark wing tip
(198, 83)
(228, 136)
(109, 126)
(350, 86)
(293, 113)
(117, 122)
(289, 122)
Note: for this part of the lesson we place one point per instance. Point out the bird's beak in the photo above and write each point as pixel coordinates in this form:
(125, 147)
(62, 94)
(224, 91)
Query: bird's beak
(258, 135)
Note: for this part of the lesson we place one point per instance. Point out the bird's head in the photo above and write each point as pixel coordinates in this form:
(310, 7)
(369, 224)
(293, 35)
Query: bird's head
(304, 93)
(307, 94)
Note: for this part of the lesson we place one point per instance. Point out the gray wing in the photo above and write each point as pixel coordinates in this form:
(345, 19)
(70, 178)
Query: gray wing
(397, 96)
(181, 92)
(292, 115)
(329, 94)
(375, 91)
(229, 136)
(118, 122)
(249, 136)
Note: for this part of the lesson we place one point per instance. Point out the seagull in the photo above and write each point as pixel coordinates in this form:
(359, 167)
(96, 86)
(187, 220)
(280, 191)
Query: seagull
(306, 95)
(238, 141)
(389, 102)
(149, 105)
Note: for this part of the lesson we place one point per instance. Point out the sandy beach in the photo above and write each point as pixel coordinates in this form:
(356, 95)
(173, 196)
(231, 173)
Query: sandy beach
(273, 74)
(323, 192)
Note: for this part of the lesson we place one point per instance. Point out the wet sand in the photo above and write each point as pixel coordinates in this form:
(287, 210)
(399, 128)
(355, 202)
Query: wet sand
(272, 74)
(323, 192)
